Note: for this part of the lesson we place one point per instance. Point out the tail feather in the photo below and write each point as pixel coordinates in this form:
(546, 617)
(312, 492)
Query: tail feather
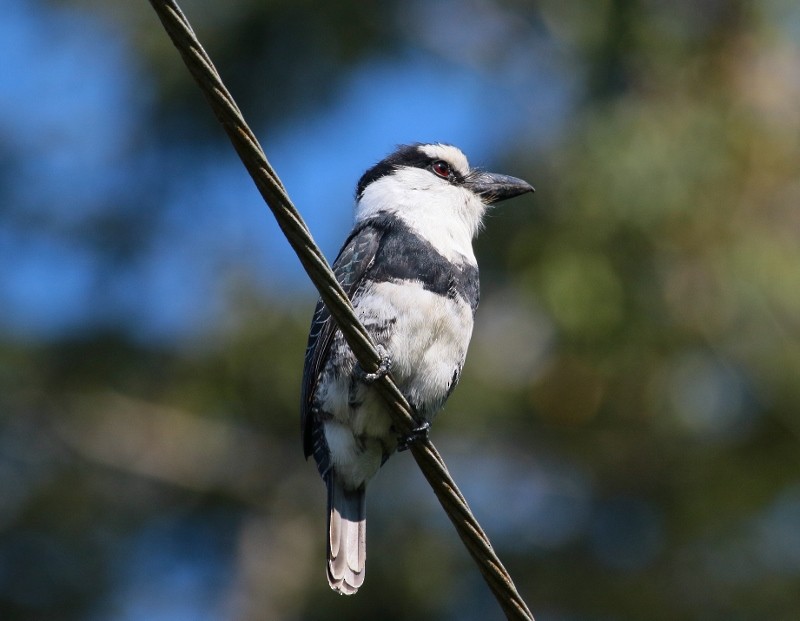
(347, 530)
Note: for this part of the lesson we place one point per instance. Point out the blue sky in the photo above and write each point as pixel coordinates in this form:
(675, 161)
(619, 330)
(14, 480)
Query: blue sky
(73, 102)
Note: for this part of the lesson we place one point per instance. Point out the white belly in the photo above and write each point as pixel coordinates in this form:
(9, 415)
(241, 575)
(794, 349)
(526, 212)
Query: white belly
(426, 336)
(428, 339)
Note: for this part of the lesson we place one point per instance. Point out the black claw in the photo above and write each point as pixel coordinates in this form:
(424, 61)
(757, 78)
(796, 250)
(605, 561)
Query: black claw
(415, 435)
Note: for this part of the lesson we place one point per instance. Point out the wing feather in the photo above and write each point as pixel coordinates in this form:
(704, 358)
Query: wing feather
(354, 259)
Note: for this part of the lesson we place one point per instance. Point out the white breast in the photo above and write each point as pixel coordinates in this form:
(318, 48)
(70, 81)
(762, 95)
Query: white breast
(428, 337)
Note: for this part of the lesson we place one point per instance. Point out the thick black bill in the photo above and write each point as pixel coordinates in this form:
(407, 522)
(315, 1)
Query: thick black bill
(493, 188)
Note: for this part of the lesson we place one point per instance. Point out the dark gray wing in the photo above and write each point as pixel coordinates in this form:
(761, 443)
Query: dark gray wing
(355, 257)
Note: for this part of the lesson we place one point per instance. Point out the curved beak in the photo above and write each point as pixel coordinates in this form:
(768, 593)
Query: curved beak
(493, 187)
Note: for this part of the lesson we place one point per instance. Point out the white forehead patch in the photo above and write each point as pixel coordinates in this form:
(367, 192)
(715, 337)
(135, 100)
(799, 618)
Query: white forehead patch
(449, 154)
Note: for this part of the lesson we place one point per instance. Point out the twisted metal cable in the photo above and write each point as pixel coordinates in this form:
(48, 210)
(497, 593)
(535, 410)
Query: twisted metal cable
(334, 297)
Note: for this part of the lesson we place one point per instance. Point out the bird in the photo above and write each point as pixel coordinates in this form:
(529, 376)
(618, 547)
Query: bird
(410, 271)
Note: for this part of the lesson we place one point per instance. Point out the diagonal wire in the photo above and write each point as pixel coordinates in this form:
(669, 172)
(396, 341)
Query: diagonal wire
(334, 297)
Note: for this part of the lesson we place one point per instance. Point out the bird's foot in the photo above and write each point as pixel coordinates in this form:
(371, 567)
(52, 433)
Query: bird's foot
(384, 367)
(415, 435)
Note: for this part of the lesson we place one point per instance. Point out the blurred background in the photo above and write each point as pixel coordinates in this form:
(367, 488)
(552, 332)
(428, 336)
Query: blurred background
(627, 426)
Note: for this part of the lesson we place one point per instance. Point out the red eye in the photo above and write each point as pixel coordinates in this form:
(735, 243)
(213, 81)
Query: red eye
(441, 168)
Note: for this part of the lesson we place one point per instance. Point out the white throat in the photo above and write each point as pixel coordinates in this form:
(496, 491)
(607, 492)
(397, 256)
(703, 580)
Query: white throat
(445, 215)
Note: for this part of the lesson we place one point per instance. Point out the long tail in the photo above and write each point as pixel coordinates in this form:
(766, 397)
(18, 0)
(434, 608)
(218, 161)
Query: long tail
(347, 536)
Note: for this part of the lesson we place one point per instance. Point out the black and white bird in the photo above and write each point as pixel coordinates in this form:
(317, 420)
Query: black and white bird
(410, 271)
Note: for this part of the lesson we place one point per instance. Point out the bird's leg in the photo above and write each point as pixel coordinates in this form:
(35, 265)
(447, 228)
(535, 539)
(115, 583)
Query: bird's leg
(413, 436)
(384, 367)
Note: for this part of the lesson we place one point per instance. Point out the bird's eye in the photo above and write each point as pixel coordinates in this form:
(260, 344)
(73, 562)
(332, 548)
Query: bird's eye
(441, 168)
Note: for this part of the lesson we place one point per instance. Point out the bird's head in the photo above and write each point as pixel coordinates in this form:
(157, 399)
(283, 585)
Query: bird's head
(433, 185)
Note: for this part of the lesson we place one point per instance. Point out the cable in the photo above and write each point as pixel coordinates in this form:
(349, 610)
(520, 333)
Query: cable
(334, 297)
